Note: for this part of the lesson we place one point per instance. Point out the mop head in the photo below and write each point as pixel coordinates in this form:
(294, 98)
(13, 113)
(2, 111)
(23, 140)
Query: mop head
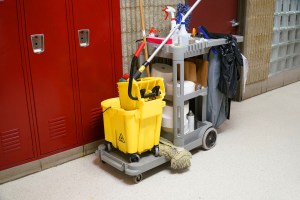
(180, 158)
(183, 9)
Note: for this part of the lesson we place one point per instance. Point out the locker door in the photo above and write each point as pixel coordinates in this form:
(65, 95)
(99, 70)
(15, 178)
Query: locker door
(15, 137)
(96, 68)
(51, 73)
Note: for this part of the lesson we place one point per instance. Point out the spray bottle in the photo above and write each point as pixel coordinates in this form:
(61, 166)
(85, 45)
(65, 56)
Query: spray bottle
(153, 32)
(171, 10)
(191, 121)
(183, 35)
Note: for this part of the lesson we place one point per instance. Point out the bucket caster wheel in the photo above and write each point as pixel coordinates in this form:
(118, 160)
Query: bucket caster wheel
(209, 138)
(155, 150)
(134, 158)
(138, 178)
(108, 146)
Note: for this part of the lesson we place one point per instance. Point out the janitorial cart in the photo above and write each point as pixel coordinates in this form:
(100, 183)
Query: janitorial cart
(132, 122)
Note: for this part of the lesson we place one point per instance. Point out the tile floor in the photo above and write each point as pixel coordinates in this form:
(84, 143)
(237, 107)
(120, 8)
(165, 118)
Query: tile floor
(257, 156)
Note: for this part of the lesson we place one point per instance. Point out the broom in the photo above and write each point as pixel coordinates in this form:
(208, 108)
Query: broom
(144, 35)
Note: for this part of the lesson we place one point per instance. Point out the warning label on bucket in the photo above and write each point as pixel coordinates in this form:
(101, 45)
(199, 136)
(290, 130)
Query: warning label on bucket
(121, 138)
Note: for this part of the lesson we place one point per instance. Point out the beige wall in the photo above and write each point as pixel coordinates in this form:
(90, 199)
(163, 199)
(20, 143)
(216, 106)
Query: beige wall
(258, 22)
(258, 31)
(131, 23)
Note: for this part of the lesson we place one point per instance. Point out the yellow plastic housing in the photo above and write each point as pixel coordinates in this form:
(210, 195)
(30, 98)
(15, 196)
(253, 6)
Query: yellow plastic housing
(134, 131)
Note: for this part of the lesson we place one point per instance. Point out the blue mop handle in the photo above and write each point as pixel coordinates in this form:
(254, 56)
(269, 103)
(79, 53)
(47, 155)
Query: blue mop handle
(207, 37)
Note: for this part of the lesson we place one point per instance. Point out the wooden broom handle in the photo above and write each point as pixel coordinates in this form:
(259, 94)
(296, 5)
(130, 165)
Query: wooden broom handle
(144, 36)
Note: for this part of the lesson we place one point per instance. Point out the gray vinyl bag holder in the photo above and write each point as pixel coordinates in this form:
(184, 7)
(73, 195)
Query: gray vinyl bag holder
(217, 103)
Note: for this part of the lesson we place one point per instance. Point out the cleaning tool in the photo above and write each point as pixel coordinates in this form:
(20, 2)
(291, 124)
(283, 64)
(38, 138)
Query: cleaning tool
(183, 36)
(206, 35)
(144, 35)
(147, 62)
(183, 9)
(135, 128)
(153, 32)
(133, 63)
(180, 158)
(194, 32)
(191, 121)
(172, 11)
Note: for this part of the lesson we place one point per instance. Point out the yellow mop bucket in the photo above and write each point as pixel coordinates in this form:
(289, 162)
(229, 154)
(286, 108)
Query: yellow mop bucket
(147, 84)
(134, 131)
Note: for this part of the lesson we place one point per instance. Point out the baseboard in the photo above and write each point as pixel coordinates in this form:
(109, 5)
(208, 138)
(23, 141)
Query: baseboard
(20, 171)
(273, 82)
(91, 147)
(254, 89)
(47, 162)
(60, 158)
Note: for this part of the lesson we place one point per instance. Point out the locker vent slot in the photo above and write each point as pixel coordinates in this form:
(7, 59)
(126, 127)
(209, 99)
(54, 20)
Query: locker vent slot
(95, 119)
(10, 140)
(57, 128)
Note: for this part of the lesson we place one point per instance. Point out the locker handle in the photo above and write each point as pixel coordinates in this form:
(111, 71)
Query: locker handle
(84, 37)
(37, 42)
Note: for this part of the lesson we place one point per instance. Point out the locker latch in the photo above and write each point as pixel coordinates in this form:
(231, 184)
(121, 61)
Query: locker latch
(37, 41)
(84, 37)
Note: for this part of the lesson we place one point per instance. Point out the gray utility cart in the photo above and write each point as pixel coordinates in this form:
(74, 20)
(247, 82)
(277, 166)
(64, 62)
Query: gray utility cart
(204, 134)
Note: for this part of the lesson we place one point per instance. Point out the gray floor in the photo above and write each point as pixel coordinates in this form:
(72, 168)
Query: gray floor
(257, 157)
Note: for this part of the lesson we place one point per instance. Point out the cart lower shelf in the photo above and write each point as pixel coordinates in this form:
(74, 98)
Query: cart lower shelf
(201, 137)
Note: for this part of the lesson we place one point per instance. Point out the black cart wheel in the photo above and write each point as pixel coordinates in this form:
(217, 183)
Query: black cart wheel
(209, 138)
(134, 158)
(108, 146)
(155, 151)
(138, 178)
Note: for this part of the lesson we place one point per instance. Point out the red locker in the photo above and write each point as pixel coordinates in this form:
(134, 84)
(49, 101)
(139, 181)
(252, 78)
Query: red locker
(15, 136)
(47, 28)
(97, 68)
(50, 85)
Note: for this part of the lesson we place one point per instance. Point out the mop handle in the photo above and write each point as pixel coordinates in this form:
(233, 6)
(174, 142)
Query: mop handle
(146, 63)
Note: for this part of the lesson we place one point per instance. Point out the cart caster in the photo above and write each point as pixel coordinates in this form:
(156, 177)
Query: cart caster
(155, 150)
(209, 138)
(134, 158)
(108, 146)
(138, 178)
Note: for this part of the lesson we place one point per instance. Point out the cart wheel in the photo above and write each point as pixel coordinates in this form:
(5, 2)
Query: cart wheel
(209, 138)
(138, 178)
(155, 151)
(108, 146)
(134, 158)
